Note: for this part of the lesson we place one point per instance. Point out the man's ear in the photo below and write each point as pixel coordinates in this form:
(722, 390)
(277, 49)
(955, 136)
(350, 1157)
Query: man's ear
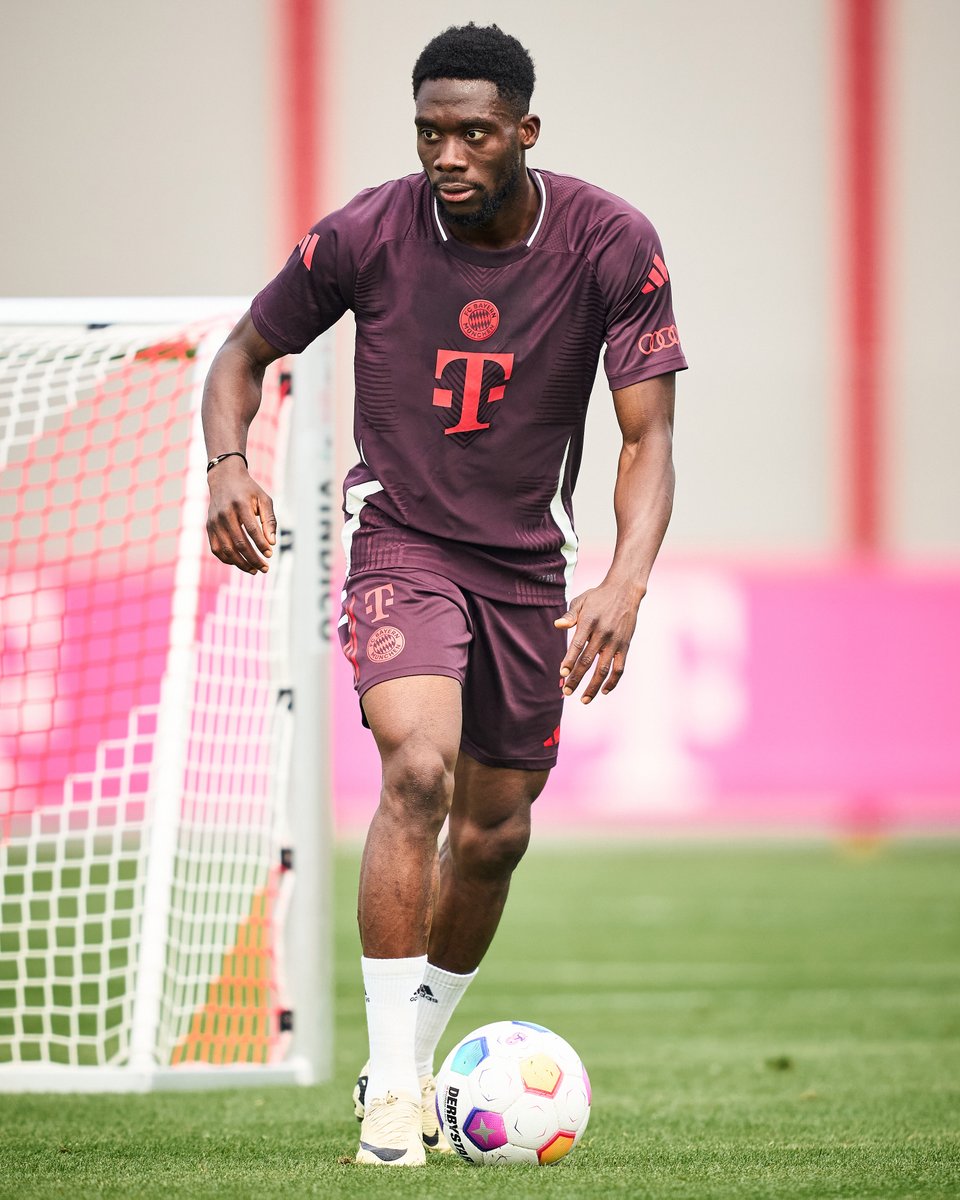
(529, 131)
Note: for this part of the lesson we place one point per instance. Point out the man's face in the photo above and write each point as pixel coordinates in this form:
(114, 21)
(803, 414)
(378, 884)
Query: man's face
(471, 146)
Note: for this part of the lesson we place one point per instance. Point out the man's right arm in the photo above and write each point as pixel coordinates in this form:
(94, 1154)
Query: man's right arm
(241, 524)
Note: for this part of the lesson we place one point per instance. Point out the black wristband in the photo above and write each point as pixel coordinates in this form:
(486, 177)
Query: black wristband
(229, 454)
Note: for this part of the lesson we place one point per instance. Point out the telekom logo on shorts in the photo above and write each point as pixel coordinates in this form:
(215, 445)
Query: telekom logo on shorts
(472, 385)
(382, 599)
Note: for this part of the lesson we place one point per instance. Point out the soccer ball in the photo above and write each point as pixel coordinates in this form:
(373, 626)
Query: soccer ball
(513, 1092)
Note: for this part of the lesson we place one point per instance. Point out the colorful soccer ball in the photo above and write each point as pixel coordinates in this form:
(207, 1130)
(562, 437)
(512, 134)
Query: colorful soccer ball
(513, 1092)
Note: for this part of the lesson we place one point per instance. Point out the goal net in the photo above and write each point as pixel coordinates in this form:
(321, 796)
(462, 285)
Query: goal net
(163, 883)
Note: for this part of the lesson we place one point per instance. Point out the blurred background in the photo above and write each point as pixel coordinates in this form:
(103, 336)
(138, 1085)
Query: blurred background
(797, 663)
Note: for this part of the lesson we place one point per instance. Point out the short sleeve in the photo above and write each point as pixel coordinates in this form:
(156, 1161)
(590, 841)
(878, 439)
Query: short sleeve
(641, 330)
(306, 297)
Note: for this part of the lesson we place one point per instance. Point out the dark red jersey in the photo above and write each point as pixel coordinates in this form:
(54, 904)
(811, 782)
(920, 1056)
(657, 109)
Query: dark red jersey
(473, 371)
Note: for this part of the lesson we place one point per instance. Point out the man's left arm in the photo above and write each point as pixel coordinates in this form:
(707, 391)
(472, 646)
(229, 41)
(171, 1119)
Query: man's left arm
(604, 618)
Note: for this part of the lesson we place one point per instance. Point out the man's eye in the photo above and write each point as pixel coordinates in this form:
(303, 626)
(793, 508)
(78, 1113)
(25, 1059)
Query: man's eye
(428, 135)
(474, 135)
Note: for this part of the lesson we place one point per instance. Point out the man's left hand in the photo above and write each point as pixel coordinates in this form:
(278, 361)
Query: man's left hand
(603, 619)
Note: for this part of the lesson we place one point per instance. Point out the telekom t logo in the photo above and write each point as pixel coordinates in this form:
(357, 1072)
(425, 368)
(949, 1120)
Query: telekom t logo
(470, 404)
(382, 599)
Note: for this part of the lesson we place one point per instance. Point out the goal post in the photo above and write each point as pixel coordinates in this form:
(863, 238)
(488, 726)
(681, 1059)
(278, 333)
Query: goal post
(164, 749)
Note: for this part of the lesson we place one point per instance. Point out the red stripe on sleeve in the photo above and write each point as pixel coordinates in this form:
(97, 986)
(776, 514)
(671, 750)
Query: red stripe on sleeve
(308, 252)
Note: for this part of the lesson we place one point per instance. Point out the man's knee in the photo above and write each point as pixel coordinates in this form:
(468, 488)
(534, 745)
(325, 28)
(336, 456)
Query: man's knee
(417, 785)
(491, 851)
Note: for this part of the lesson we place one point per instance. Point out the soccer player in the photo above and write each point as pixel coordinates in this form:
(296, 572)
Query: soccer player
(484, 291)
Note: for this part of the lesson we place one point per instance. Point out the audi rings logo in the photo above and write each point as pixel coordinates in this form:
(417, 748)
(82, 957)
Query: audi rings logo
(661, 339)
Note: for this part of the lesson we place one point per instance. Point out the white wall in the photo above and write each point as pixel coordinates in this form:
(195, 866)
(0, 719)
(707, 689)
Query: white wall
(924, 311)
(135, 146)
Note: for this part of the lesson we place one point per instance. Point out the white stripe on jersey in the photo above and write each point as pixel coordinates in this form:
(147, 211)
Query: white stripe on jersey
(543, 206)
(354, 502)
(536, 229)
(436, 217)
(560, 515)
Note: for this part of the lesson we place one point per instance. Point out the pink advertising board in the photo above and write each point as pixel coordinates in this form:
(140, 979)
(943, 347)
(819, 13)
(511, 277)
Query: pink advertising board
(813, 697)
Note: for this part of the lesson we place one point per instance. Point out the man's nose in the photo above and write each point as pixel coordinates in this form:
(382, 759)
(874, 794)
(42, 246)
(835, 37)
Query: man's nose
(451, 155)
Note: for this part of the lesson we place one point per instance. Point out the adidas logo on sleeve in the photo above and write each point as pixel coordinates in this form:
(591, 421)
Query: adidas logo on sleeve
(657, 276)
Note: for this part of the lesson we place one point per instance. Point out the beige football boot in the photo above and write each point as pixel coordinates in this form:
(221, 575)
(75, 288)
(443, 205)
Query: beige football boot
(390, 1134)
(431, 1133)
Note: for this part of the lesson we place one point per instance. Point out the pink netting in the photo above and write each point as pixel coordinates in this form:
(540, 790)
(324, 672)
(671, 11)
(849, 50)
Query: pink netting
(98, 435)
(90, 513)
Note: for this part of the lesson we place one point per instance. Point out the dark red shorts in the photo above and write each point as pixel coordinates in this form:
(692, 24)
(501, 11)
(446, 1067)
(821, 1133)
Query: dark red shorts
(507, 658)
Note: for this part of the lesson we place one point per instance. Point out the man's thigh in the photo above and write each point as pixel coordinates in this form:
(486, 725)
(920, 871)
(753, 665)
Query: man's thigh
(416, 722)
(487, 798)
(512, 701)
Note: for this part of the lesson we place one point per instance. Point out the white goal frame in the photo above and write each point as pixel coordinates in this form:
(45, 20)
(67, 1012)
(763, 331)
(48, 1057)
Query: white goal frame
(306, 526)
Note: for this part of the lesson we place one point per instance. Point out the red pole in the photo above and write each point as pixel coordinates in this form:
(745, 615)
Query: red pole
(302, 27)
(861, 32)
(862, 257)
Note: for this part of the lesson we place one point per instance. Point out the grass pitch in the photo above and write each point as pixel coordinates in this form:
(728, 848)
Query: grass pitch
(757, 1022)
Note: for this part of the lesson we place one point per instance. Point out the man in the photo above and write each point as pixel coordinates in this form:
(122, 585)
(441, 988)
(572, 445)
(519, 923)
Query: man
(483, 294)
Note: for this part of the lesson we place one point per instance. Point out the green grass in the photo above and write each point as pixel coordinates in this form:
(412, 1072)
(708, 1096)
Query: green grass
(757, 1022)
(54, 900)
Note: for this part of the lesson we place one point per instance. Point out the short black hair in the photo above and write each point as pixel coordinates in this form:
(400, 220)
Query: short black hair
(479, 52)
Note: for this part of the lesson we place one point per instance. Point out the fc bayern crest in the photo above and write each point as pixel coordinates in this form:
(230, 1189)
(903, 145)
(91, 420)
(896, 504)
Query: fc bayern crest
(479, 319)
(384, 643)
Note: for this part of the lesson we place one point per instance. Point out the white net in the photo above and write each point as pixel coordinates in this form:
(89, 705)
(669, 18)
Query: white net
(235, 767)
(144, 716)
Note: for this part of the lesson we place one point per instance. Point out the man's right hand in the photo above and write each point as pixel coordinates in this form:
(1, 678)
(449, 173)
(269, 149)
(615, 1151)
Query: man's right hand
(241, 525)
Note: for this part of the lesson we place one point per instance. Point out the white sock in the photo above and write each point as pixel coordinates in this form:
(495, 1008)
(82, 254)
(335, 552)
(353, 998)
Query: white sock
(440, 994)
(391, 986)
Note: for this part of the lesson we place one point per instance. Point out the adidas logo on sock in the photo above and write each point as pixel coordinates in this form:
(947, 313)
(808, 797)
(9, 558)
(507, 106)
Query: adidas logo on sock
(656, 277)
(424, 991)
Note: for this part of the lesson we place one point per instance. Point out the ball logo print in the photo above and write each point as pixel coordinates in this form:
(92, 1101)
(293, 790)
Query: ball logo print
(513, 1092)
(660, 339)
(479, 319)
(385, 643)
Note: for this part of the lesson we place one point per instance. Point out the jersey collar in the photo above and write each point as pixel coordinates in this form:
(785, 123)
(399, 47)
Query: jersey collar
(492, 257)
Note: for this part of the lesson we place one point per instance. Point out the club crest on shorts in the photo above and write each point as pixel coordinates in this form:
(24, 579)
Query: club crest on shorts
(385, 643)
(479, 319)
